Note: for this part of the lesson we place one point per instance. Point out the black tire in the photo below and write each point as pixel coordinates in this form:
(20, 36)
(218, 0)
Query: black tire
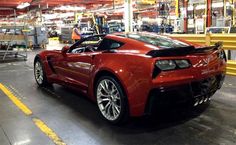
(124, 109)
(44, 82)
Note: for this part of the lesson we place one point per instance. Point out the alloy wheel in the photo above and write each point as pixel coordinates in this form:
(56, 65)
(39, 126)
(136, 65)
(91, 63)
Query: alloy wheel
(109, 99)
(38, 72)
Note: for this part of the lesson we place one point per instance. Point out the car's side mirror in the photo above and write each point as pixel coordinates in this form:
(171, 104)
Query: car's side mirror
(65, 50)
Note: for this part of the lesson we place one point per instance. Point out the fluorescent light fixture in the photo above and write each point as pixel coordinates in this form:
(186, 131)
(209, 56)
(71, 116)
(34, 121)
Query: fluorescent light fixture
(214, 5)
(21, 16)
(70, 8)
(58, 15)
(200, 7)
(190, 8)
(23, 5)
(109, 9)
(228, 4)
(218, 5)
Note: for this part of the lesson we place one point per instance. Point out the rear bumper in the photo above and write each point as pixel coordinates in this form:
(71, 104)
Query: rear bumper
(191, 93)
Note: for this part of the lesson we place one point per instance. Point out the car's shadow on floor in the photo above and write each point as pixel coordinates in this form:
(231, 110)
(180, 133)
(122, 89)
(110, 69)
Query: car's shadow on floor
(166, 118)
(161, 120)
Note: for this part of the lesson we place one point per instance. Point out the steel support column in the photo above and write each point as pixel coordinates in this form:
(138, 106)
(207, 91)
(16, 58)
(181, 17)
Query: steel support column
(209, 13)
(177, 8)
(128, 15)
(233, 13)
(186, 17)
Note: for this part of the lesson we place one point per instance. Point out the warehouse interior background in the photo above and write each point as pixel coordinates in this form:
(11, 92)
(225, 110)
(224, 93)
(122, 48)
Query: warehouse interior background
(30, 26)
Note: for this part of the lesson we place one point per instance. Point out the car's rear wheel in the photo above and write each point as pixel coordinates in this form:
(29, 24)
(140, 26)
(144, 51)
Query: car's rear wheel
(39, 74)
(111, 100)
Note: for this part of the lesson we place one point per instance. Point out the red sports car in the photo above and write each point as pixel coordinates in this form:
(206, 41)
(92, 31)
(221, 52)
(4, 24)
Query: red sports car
(130, 74)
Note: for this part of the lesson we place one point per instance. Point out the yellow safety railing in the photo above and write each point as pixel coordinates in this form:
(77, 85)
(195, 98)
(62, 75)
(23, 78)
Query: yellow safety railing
(229, 40)
(231, 67)
(229, 43)
(200, 38)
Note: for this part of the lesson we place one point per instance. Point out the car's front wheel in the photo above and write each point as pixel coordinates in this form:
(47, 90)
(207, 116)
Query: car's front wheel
(111, 100)
(39, 74)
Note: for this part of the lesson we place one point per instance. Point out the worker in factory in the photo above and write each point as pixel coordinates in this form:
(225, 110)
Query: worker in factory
(76, 33)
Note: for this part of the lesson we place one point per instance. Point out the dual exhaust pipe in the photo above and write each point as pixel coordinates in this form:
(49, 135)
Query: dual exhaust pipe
(201, 100)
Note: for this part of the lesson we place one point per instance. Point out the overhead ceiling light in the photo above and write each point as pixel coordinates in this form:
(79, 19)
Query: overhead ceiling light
(70, 8)
(23, 5)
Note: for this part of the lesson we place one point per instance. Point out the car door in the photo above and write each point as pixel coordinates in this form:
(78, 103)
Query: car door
(78, 68)
(53, 59)
(77, 65)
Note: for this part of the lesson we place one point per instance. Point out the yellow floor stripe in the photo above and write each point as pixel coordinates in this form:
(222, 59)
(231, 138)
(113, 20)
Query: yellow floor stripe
(46, 130)
(40, 124)
(15, 100)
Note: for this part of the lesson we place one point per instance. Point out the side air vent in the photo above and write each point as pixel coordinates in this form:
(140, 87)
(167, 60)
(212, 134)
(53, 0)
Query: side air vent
(49, 60)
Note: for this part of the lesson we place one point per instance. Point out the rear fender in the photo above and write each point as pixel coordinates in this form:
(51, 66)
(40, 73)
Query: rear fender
(134, 74)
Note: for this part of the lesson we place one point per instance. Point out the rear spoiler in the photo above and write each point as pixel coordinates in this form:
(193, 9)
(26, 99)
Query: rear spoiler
(182, 51)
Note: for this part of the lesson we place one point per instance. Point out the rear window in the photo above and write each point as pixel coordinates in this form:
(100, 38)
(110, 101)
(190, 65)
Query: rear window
(108, 44)
(157, 40)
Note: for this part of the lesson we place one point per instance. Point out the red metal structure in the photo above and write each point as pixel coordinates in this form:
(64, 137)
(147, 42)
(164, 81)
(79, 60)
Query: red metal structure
(133, 73)
(49, 3)
(14, 3)
(185, 2)
(209, 13)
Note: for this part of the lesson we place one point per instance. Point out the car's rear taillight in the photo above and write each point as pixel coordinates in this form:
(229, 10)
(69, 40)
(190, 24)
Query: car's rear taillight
(172, 64)
(183, 63)
(167, 65)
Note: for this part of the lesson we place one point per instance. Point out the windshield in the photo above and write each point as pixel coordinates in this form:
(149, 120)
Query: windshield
(157, 40)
